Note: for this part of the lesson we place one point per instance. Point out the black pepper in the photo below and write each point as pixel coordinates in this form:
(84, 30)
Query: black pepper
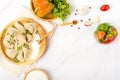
(76, 10)
(89, 7)
(75, 13)
(89, 19)
(71, 25)
(78, 27)
(81, 20)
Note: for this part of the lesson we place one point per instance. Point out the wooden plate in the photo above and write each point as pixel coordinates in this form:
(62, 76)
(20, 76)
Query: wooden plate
(41, 33)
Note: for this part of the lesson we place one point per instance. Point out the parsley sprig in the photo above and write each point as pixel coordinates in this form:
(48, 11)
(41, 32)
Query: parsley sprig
(62, 9)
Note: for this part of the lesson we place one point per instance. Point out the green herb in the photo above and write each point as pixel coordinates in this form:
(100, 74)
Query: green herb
(37, 32)
(12, 36)
(26, 45)
(8, 41)
(23, 34)
(15, 59)
(19, 48)
(62, 9)
(7, 34)
(28, 32)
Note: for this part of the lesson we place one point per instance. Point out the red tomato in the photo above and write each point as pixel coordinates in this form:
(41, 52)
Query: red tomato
(105, 7)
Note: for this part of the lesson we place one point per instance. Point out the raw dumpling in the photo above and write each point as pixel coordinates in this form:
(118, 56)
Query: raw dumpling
(11, 53)
(18, 26)
(30, 27)
(21, 38)
(11, 31)
(20, 56)
(27, 53)
(7, 42)
(29, 37)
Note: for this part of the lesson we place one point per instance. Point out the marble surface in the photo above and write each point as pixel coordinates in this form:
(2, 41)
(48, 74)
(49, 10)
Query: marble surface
(74, 54)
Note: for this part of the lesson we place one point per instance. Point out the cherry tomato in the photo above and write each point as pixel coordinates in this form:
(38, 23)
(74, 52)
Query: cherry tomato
(105, 7)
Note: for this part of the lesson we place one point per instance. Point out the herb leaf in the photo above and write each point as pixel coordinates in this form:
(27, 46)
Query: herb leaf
(19, 48)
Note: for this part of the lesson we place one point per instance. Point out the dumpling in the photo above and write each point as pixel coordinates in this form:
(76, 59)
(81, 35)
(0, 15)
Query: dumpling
(30, 27)
(21, 38)
(11, 53)
(27, 53)
(7, 42)
(20, 56)
(11, 31)
(29, 38)
(18, 26)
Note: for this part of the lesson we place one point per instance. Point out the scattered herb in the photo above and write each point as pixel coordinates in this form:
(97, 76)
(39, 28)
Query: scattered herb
(19, 48)
(12, 36)
(8, 41)
(26, 45)
(7, 34)
(23, 34)
(28, 32)
(15, 59)
(37, 31)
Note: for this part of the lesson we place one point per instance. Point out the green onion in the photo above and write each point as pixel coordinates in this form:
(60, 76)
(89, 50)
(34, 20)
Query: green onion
(15, 59)
(19, 48)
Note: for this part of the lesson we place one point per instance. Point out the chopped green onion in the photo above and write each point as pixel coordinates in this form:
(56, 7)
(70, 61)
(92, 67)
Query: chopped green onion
(19, 48)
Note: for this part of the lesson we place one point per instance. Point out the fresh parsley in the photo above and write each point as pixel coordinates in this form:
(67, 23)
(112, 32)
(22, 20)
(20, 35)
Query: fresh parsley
(62, 9)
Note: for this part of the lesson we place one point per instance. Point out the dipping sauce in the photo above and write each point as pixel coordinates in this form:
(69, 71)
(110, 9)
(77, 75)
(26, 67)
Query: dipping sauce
(36, 74)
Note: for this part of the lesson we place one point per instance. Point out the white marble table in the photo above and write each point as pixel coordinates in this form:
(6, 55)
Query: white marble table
(75, 54)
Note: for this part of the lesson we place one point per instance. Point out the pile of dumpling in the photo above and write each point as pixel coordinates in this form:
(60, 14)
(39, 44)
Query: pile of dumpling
(18, 40)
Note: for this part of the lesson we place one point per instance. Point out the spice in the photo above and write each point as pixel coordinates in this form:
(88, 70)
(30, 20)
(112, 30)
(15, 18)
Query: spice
(75, 13)
(89, 19)
(78, 27)
(76, 10)
(81, 20)
(71, 25)
(89, 7)
(88, 23)
(74, 22)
